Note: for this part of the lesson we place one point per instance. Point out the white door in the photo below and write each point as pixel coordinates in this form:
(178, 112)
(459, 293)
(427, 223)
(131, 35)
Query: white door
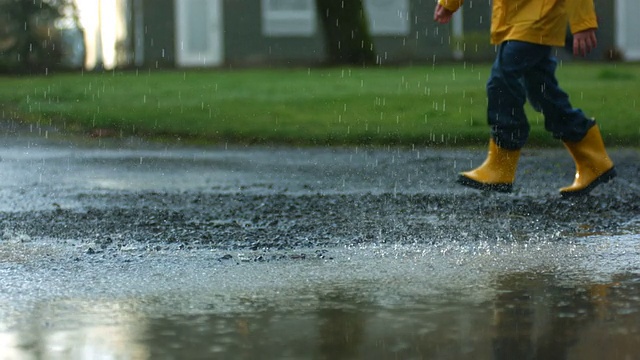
(388, 17)
(628, 28)
(199, 33)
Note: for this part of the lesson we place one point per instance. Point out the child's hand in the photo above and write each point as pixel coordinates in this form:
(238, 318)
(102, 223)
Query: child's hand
(442, 14)
(584, 42)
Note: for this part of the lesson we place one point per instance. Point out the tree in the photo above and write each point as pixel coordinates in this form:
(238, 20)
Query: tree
(31, 33)
(346, 32)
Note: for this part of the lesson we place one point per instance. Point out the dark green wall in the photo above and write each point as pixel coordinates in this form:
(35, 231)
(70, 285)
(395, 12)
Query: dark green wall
(606, 30)
(245, 45)
(426, 42)
(159, 33)
(476, 45)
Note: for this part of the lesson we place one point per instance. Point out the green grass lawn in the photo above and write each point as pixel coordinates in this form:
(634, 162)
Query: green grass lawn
(430, 105)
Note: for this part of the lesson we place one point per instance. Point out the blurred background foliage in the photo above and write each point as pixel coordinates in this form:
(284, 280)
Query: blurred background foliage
(40, 35)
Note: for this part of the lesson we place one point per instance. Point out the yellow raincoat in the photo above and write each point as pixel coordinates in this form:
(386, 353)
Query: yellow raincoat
(536, 21)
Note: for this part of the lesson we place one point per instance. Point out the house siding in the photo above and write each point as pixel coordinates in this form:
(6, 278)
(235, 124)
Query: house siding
(426, 42)
(159, 33)
(606, 49)
(245, 44)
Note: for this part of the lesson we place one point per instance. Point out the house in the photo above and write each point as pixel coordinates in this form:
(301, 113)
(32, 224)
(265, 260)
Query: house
(239, 33)
(205, 33)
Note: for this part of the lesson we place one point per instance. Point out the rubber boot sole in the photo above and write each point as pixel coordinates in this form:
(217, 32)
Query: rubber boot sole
(602, 179)
(502, 188)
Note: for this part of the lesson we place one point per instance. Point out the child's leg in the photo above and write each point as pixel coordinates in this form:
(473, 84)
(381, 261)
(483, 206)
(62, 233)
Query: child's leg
(506, 92)
(509, 126)
(580, 136)
(560, 118)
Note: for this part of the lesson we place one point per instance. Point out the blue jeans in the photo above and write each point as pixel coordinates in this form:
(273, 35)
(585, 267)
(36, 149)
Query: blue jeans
(524, 70)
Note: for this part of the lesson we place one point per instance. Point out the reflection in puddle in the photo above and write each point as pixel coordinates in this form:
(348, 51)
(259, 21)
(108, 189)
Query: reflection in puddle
(91, 342)
(433, 306)
(69, 330)
(531, 317)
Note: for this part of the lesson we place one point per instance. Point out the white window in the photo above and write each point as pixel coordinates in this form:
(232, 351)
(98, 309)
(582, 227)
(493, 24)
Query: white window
(289, 17)
(388, 17)
(627, 28)
(199, 33)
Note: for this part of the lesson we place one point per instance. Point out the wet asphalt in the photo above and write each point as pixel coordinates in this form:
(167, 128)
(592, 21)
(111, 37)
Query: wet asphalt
(92, 218)
(105, 195)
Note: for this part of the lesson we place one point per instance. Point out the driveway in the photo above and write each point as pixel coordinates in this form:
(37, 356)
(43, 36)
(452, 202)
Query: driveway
(130, 249)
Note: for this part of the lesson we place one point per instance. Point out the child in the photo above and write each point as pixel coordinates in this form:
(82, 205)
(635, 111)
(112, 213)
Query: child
(525, 31)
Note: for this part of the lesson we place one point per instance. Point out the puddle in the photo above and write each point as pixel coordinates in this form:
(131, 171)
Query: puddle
(546, 300)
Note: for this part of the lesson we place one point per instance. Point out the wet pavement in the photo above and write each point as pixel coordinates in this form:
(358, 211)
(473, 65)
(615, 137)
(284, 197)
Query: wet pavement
(122, 249)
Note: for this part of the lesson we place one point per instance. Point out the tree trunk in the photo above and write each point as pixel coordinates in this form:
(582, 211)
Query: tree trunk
(346, 32)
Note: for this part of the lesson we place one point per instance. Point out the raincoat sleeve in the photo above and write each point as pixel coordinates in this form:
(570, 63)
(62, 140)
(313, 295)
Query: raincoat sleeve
(452, 5)
(582, 15)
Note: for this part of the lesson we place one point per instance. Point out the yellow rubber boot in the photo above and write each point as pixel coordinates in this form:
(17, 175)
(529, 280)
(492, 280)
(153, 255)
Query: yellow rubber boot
(497, 173)
(593, 165)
